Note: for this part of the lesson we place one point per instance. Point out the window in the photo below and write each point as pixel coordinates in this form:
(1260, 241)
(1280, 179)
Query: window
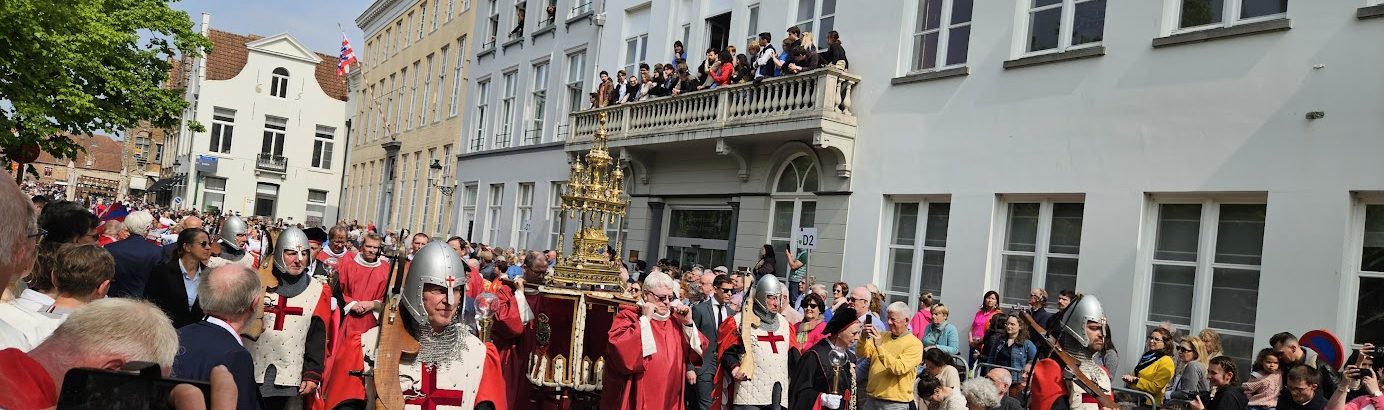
(422, 19)
(278, 83)
(274, 131)
(413, 97)
(537, 104)
(1198, 14)
(523, 214)
(507, 110)
(582, 6)
(456, 77)
(427, 190)
(427, 88)
(917, 250)
(1042, 240)
(213, 193)
(441, 84)
(398, 91)
(222, 129)
(492, 26)
(555, 214)
(795, 206)
(436, 9)
(518, 18)
(818, 17)
(403, 35)
(413, 191)
(317, 207)
(636, 52)
(753, 33)
(322, 147)
(482, 104)
(449, 13)
(497, 194)
(1369, 325)
(158, 152)
(576, 75)
(1062, 24)
(468, 210)
(1205, 269)
(940, 42)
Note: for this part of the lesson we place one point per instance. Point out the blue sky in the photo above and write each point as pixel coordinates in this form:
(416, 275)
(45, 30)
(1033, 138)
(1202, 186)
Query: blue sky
(313, 22)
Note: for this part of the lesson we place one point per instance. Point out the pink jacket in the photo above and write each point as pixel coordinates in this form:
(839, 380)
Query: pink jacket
(981, 323)
(1263, 392)
(919, 323)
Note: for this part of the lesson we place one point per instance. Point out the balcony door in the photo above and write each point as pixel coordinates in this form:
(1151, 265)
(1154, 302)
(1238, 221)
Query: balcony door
(274, 130)
(266, 196)
(795, 207)
(718, 34)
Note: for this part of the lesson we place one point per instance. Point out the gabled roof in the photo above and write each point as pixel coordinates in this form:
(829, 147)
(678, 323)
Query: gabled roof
(230, 52)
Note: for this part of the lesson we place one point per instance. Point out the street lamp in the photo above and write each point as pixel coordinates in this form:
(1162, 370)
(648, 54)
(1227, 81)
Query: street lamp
(438, 180)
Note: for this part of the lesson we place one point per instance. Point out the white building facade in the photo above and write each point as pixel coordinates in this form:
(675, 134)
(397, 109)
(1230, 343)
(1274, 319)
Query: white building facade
(529, 74)
(274, 113)
(1208, 167)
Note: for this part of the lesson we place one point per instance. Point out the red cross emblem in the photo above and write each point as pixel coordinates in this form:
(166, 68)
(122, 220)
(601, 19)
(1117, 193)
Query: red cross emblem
(281, 312)
(429, 396)
(771, 338)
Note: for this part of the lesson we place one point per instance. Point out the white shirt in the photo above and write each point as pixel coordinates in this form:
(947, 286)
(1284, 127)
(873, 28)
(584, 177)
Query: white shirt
(217, 321)
(33, 301)
(31, 327)
(190, 284)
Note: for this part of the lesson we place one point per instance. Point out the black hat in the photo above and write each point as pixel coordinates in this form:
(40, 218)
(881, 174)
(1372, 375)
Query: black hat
(316, 234)
(843, 317)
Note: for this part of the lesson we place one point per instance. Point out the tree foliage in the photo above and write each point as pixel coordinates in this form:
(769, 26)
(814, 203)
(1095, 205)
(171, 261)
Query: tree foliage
(80, 66)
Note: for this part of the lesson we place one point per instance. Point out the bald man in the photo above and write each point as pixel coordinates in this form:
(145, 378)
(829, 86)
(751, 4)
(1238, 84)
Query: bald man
(1002, 379)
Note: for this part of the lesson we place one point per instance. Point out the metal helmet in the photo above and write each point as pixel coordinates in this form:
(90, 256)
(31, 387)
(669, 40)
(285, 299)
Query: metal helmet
(1084, 309)
(435, 264)
(231, 227)
(291, 239)
(766, 286)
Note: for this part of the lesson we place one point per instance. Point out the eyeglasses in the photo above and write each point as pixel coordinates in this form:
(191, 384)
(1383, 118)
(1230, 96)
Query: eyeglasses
(728, 290)
(204, 244)
(1183, 349)
(37, 236)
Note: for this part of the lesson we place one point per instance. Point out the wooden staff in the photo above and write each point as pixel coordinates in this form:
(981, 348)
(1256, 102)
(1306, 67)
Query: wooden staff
(1072, 365)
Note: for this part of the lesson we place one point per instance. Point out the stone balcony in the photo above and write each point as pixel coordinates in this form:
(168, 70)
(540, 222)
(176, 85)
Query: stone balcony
(270, 163)
(814, 106)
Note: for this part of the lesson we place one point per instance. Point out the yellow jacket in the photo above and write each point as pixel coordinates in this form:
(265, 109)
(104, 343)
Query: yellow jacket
(893, 366)
(1154, 378)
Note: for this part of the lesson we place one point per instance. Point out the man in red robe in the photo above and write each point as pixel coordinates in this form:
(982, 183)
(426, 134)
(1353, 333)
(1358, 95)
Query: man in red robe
(363, 279)
(507, 330)
(336, 250)
(650, 347)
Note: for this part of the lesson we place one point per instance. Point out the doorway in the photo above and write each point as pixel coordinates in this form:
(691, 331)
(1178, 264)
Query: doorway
(718, 31)
(265, 195)
(698, 237)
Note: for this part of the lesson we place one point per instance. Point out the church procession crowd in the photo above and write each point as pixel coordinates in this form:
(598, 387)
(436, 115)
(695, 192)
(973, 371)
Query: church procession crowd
(294, 320)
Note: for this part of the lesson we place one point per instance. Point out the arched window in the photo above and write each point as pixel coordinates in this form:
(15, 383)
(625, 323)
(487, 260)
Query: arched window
(795, 207)
(278, 83)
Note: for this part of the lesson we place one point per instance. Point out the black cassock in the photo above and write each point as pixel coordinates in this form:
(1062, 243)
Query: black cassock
(814, 375)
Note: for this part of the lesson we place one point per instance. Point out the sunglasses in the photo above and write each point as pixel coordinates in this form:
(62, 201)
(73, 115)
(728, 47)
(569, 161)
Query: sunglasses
(728, 290)
(1182, 349)
(812, 305)
(662, 298)
(204, 244)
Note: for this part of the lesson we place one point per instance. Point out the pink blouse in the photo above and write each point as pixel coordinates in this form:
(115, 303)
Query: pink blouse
(919, 323)
(981, 323)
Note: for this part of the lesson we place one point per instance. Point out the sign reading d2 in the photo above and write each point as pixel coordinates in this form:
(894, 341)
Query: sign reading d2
(807, 238)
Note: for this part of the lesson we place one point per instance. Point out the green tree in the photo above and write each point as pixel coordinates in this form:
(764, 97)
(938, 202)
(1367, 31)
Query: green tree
(81, 66)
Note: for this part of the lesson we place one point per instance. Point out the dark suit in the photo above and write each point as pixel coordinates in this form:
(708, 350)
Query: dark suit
(204, 345)
(134, 258)
(165, 290)
(168, 252)
(704, 317)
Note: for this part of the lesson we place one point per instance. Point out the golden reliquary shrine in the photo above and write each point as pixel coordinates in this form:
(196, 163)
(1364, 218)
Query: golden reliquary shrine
(576, 303)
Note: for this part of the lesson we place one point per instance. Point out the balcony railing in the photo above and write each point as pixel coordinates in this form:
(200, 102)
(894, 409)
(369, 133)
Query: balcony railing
(272, 163)
(815, 99)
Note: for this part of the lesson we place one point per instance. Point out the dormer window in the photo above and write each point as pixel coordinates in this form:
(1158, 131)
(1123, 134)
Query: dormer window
(278, 84)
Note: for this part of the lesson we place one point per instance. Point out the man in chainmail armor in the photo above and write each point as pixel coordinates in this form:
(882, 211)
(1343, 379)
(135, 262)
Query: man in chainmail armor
(1081, 333)
(766, 386)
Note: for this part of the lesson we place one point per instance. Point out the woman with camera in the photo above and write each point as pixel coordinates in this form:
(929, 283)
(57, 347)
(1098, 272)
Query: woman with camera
(1368, 381)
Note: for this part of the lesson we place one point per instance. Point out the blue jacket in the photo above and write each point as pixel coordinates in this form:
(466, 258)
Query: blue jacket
(134, 258)
(1020, 355)
(945, 338)
(204, 345)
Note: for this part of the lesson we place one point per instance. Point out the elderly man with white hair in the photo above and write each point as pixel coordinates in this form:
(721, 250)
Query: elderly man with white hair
(980, 394)
(1002, 379)
(18, 247)
(650, 347)
(134, 256)
(89, 338)
(894, 358)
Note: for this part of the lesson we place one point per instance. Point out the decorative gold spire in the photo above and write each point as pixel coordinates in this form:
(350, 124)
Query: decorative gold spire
(594, 199)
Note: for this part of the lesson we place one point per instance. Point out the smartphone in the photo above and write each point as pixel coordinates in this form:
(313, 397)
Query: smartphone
(869, 319)
(86, 388)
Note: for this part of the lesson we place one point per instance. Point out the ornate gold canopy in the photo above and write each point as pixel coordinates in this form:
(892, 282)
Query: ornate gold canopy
(593, 200)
